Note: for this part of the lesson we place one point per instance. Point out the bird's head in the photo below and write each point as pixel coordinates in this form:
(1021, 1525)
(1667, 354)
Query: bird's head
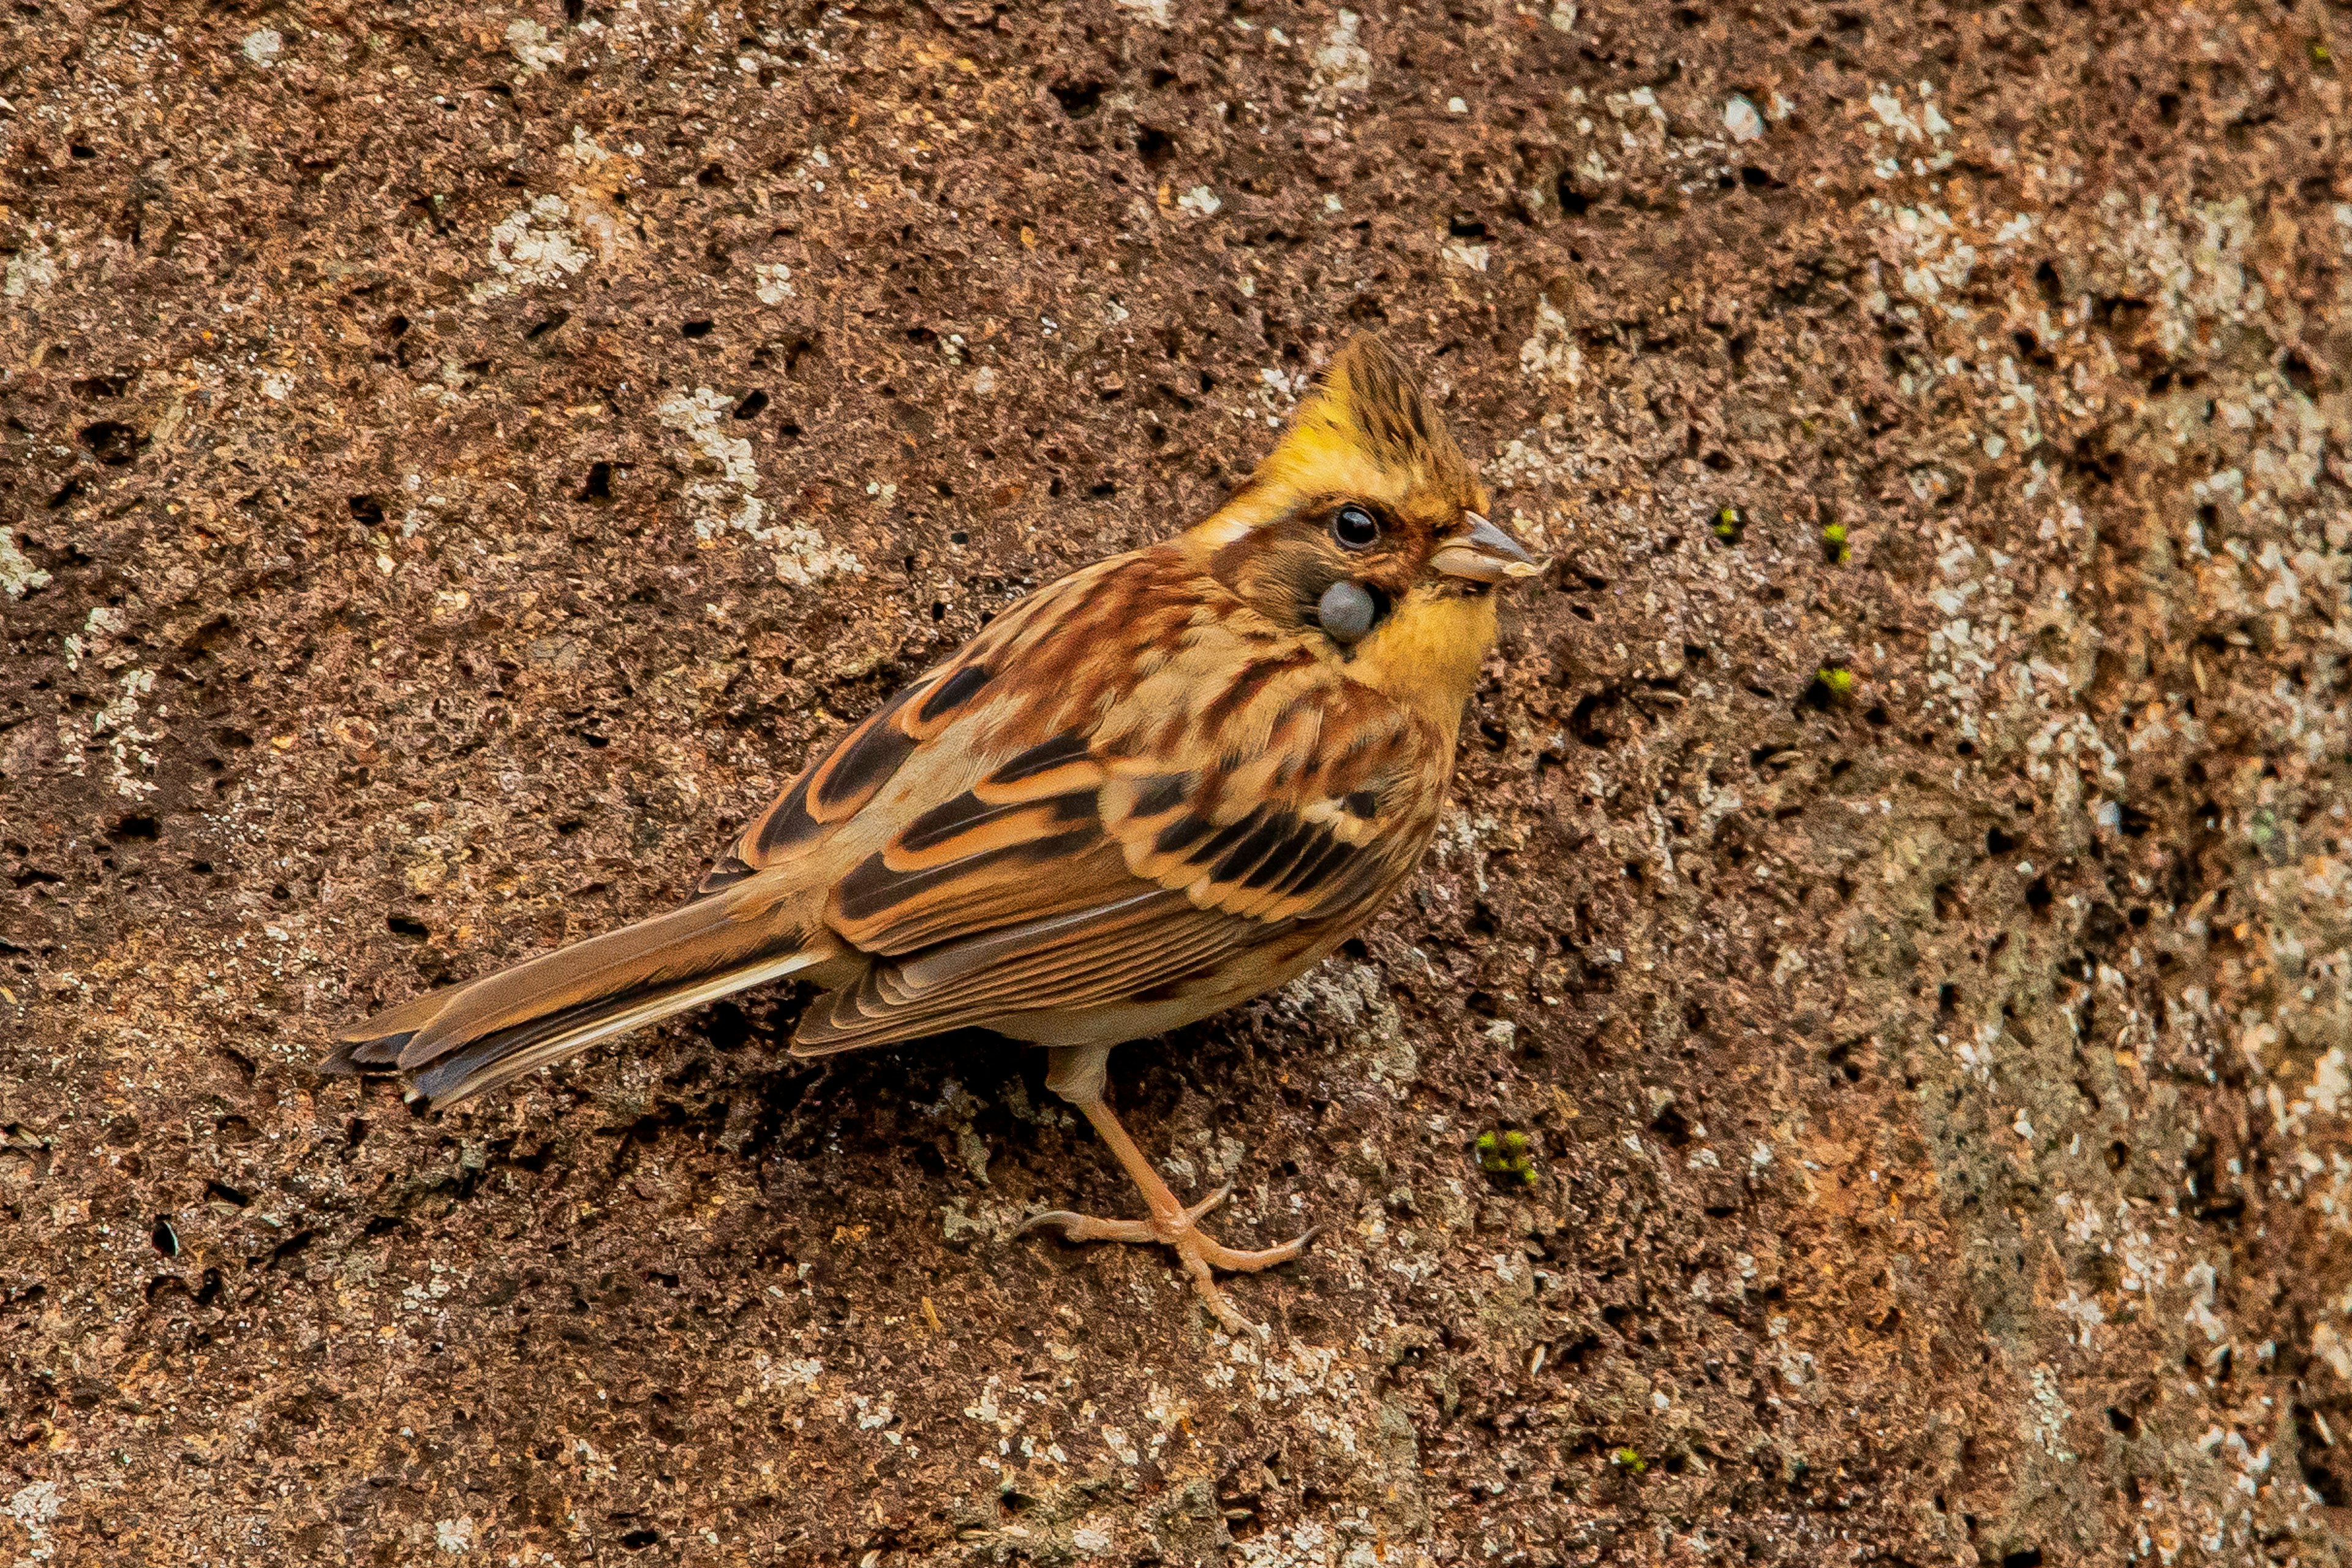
(1366, 529)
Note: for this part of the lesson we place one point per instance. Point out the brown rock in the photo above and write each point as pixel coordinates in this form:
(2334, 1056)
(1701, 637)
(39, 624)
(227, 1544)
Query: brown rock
(453, 464)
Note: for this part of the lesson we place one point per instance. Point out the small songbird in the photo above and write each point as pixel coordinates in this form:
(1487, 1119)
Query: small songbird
(1166, 783)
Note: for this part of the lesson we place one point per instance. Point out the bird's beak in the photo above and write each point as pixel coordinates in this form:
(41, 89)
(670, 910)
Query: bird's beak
(1484, 554)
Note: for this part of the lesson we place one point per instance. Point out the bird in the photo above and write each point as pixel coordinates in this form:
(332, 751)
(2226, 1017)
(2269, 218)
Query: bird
(1167, 782)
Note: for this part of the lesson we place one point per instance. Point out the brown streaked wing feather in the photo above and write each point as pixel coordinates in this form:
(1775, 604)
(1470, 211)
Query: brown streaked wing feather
(831, 789)
(892, 912)
(1049, 821)
(1105, 954)
(922, 737)
(1080, 872)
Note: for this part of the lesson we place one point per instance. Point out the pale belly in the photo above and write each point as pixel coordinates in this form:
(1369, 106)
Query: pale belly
(1267, 969)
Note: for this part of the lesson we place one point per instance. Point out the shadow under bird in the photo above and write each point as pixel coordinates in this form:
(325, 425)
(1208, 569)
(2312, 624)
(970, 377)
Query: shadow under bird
(1166, 783)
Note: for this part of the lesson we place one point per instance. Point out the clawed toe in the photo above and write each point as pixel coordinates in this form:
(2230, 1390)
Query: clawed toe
(1076, 1076)
(1236, 1261)
(1086, 1228)
(1201, 1256)
(1199, 1253)
(1205, 1205)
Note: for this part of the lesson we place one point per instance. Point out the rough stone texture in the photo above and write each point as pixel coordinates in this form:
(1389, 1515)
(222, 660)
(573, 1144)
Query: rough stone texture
(455, 460)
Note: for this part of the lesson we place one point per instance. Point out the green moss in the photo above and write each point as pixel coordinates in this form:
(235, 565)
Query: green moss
(1835, 548)
(1839, 682)
(1505, 1158)
(1629, 1460)
(1728, 524)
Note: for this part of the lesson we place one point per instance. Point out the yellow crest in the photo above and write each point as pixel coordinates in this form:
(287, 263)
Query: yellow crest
(1368, 432)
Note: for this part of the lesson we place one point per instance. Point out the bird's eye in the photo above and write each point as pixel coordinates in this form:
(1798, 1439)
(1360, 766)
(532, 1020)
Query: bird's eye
(1354, 528)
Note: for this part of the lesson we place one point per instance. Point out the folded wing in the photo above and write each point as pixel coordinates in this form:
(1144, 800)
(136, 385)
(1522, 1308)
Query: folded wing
(1006, 840)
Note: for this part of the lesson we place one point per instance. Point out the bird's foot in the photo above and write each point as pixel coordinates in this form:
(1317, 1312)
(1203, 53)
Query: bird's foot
(1180, 1230)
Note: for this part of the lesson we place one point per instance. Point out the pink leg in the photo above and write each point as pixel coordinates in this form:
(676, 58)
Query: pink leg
(1076, 1075)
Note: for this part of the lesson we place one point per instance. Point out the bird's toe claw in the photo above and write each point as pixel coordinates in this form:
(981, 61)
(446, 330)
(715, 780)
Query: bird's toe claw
(1077, 1227)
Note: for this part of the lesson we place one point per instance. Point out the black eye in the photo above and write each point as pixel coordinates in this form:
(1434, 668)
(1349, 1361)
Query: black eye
(1354, 528)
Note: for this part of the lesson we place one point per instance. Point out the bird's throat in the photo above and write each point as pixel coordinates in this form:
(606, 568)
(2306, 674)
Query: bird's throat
(1427, 654)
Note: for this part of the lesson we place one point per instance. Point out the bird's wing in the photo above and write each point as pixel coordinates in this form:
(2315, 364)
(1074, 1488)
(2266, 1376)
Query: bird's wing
(1121, 785)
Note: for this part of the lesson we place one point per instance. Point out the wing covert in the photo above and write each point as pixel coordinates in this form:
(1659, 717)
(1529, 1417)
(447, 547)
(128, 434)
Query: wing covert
(1049, 821)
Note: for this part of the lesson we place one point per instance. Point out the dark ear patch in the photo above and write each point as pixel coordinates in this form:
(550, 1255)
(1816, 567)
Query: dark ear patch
(1303, 578)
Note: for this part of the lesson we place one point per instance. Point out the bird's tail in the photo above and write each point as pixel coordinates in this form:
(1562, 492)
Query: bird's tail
(467, 1039)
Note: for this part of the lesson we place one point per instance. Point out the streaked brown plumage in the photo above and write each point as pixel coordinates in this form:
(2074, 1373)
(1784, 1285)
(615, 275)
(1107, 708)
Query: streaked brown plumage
(1145, 793)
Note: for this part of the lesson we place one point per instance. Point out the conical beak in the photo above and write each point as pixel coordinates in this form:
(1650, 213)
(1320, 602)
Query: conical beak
(1484, 554)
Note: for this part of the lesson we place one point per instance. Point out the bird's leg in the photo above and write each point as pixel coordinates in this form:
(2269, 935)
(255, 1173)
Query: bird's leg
(1076, 1073)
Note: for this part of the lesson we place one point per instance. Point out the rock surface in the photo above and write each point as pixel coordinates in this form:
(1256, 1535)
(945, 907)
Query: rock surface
(454, 461)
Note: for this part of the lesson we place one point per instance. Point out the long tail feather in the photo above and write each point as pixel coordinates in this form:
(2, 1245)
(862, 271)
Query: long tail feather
(468, 1038)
